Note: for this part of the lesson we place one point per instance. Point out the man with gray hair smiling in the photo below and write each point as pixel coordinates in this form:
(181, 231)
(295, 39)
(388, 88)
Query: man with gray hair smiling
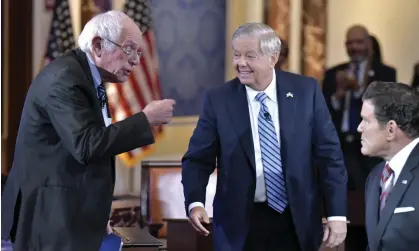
(276, 150)
(59, 191)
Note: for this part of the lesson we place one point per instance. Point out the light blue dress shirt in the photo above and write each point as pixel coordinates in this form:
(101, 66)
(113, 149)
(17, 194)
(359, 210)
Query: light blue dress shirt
(97, 81)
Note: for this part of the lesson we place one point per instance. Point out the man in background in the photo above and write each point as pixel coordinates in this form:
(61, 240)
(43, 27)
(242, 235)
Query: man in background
(390, 130)
(59, 192)
(343, 86)
(266, 131)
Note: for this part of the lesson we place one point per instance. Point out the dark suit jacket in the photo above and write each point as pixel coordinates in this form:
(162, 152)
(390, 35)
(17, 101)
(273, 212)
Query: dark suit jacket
(381, 73)
(308, 138)
(59, 192)
(394, 232)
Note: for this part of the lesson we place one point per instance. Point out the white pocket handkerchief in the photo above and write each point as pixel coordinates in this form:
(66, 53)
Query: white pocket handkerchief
(403, 209)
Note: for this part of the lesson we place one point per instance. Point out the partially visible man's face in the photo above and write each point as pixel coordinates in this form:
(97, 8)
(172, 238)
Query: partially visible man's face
(357, 43)
(117, 62)
(373, 136)
(252, 67)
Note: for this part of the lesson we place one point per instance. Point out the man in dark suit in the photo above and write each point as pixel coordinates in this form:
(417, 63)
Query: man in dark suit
(343, 86)
(266, 131)
(59, 192)
(390, 130)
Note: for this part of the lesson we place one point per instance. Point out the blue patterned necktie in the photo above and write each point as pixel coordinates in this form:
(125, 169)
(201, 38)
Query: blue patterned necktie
(271, 158)
(101, 93)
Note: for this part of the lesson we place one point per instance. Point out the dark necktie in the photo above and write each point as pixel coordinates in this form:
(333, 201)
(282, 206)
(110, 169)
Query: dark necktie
(101, 93)
(103, 98)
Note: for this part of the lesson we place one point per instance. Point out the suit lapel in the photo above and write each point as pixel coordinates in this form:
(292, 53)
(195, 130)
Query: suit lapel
(238, 110)
(373, 204)
(287, 102)
(82, 59)
(398, 191)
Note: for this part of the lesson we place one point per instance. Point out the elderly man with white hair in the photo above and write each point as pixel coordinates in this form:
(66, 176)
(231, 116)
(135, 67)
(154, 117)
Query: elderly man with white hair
(271, 138)
(59, 191)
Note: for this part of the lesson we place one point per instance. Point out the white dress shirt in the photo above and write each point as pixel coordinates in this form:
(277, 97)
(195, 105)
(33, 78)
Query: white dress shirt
(254, 107)
(398, 161)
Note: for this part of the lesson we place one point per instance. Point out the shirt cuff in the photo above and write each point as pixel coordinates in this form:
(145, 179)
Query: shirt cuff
(195, 204)
(336, 218)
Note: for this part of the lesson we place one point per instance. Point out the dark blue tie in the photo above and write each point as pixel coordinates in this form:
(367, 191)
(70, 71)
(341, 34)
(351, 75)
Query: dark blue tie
(271, 158)
(355, 107)
(101, 93)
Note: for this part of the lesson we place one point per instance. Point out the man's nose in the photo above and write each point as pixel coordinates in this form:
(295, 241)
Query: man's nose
(135, 59)
(241, 62)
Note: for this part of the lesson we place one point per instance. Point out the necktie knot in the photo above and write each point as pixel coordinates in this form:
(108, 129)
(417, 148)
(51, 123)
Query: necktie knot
(387, 172)
(261, 97)
(385, 175)
(101, 93)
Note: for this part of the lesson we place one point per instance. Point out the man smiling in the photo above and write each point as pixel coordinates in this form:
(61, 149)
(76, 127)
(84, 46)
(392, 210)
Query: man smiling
(266, 131)
(59, 191)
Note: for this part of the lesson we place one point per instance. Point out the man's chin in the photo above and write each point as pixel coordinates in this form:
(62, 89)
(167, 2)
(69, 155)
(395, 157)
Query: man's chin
(123, 79)
(365, 151)
(246, 81)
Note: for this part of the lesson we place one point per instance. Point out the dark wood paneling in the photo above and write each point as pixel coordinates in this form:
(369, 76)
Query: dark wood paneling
(16, 71)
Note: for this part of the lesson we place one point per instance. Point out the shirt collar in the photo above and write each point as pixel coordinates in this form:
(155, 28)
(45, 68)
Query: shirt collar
(95, 72)
(399, 160)
(270, 91)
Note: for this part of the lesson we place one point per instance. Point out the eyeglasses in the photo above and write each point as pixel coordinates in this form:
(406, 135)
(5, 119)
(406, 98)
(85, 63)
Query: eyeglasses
(129, 50)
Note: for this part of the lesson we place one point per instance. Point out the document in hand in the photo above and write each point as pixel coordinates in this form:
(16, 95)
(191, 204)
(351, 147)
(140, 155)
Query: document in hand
(111, 242)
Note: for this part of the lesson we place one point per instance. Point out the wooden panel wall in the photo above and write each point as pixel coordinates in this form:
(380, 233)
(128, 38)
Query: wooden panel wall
(277, 16)
(16, 71)
(314, 38)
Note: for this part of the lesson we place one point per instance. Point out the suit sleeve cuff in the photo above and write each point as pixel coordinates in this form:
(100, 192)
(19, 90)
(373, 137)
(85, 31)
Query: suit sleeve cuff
(336, 218)
(195, 204)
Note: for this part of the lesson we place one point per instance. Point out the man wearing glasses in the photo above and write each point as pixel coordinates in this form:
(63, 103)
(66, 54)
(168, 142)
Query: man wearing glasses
(59, 192)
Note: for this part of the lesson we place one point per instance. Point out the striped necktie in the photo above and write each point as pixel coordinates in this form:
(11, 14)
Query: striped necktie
(385, 190)
(271, 158)
(101, 93)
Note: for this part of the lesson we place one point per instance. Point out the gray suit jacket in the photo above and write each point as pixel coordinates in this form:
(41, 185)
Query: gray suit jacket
(390, 231)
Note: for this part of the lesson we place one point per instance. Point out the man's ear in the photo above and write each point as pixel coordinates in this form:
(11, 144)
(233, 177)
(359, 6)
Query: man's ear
(274, 59)
(391, 130)
(97, 46)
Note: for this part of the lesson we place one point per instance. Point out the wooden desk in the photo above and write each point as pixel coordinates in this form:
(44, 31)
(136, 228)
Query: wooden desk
(182, 237)
(156, 172)
(136, 239)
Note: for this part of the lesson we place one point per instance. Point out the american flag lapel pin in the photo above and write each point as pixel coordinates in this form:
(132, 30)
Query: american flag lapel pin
(290, 95)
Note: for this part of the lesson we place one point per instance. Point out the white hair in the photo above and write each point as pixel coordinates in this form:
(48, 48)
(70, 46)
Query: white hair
(269, 41)
(107, 25)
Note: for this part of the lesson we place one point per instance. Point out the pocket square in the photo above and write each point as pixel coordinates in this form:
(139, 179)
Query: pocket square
(403, 209)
